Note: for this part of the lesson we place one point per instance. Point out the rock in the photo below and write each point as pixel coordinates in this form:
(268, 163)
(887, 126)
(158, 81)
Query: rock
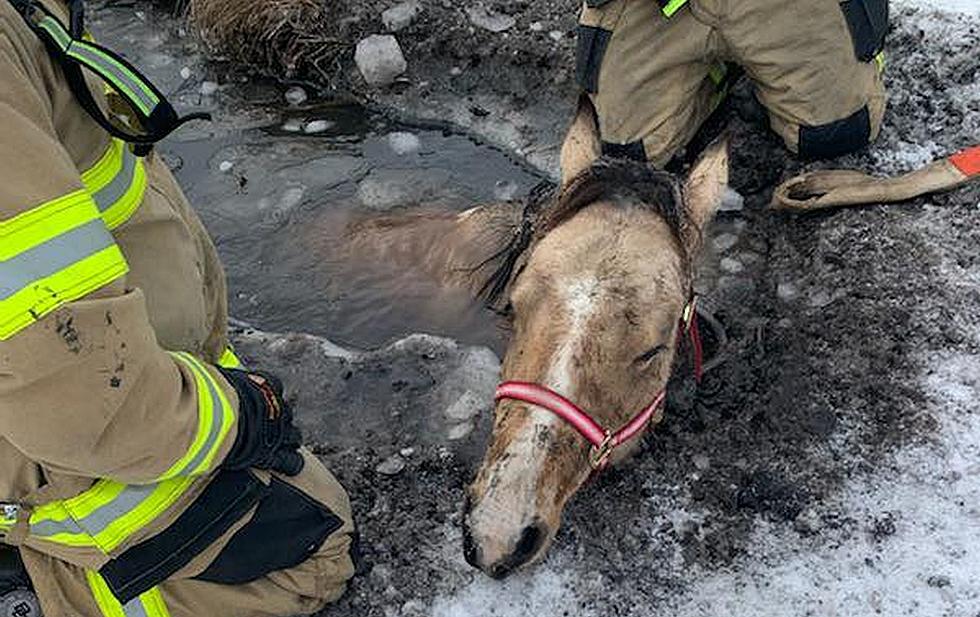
(459, 431)
(225, 166)
(400, 16)
(393, 465)
(556, 35)
(185, 73)
(465, 407)
(317, 126)
(406, 452)
(536, 26)
(787, 292)
(379, 59)
(296, 96)
(505, 190)
(403, 143)
(208, 88)
(731, 266)
(455, 71)
(293, 125)
(939, 581)
(488, 19)
(701, 462)
(723, 242)
(731, 201)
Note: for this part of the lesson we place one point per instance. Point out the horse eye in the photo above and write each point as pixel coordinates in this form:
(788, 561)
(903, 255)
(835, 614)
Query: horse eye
(649, 355)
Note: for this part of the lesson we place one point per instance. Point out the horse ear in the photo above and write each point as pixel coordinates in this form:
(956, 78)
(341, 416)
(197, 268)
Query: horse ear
(582, 146)
(704, 188)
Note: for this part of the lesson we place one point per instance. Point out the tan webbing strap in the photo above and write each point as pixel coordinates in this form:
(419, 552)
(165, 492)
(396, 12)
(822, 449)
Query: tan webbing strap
(835, 188)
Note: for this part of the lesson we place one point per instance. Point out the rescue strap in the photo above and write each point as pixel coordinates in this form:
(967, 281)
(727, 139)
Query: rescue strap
(154, 113)
(669, 7)
(834, 188)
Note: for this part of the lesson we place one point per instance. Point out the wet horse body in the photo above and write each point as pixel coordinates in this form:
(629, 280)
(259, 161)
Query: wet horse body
(594, 281)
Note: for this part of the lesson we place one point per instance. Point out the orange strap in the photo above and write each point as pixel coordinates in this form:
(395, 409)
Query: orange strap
(967, 161)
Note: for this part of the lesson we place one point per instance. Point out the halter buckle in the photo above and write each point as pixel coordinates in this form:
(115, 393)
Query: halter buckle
(599, 455)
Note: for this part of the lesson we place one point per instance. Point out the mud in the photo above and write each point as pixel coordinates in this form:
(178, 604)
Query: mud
(841, 325)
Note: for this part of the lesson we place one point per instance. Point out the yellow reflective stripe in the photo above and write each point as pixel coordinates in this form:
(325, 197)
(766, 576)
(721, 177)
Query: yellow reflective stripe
(149, 604)
(215, 419)
(228, 359)
(107, 514)
(44, 295)
(717, 73)
(672, 7)
(117, 182)
(880, 61)
(50, 219)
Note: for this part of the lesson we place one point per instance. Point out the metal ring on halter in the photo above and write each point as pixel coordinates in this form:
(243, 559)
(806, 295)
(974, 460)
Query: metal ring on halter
(599, 455)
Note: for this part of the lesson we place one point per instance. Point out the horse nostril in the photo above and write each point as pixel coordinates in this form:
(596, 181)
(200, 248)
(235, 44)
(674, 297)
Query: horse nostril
(529, 544)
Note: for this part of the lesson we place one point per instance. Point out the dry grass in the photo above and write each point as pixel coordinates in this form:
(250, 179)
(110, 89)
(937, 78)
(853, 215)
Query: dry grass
(286, 38)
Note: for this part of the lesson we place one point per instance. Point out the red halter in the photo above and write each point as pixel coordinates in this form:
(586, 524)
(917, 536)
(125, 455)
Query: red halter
(603, 440)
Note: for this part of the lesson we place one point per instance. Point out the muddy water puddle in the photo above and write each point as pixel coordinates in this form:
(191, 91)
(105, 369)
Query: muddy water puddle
(278, 200)
(278, 177)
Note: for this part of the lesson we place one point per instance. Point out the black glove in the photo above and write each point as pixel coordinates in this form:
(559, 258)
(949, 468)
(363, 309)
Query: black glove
(267, 438)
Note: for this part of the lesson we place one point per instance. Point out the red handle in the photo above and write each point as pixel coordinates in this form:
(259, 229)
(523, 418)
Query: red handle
(967, 161)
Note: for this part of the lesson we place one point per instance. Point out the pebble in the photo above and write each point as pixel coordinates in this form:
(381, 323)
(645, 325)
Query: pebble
(787, 291)
(380, 60)
(400, 16)
(731, 200)
(208, 88)
(460, 431)
(505, 190)
(723, 242)
(393, 465)
(317, 126)
(293, 125)
(185, 73)
(296, 96)
(536, 26)
(731, 266)
(465, 407)
(455, 71)
(701, 461)
(407, 452)
(556, 35)
(403, 143)
(490, 20)
(225, 166)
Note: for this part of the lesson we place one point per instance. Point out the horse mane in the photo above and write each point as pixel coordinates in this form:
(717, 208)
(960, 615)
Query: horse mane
(620, 181)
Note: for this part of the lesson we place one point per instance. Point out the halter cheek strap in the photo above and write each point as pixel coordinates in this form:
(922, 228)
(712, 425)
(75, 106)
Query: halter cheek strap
(603, 441)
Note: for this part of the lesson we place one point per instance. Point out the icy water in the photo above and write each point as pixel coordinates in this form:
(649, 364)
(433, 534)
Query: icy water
(277, 180)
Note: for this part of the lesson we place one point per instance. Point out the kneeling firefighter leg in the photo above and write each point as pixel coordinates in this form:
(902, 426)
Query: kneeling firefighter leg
(17, 598)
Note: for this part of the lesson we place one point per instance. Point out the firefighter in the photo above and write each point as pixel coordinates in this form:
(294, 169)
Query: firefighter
(143, 471)
(656, 69)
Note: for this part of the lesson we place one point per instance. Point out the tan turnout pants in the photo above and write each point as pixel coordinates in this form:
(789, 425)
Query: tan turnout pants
(64, 590)
(815, 65)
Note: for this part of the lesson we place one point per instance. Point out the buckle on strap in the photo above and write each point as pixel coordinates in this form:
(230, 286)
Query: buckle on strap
(599, 455)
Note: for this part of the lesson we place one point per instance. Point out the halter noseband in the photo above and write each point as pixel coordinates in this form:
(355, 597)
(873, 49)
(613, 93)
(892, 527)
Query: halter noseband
(603, 440)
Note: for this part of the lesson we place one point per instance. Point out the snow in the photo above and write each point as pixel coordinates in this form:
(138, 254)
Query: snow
(927, 567)
(958, 6)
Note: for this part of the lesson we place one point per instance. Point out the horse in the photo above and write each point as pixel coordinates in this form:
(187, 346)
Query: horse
(594, 278)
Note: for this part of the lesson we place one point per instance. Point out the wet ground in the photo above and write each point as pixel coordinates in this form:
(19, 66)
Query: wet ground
(829, 467)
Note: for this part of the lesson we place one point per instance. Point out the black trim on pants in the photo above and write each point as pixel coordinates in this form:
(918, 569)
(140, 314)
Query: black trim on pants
(633, 151)
(226, 499)
(836, 138)
(288, 527)
(868, 22)
(591, 47)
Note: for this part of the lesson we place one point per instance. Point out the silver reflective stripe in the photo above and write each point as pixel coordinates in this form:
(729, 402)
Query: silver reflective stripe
(217, 413)
(134, 608)
(109, 67)
(52, 27)
(52, 256)
(108, 195)
(47, 529)
(121, 505)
